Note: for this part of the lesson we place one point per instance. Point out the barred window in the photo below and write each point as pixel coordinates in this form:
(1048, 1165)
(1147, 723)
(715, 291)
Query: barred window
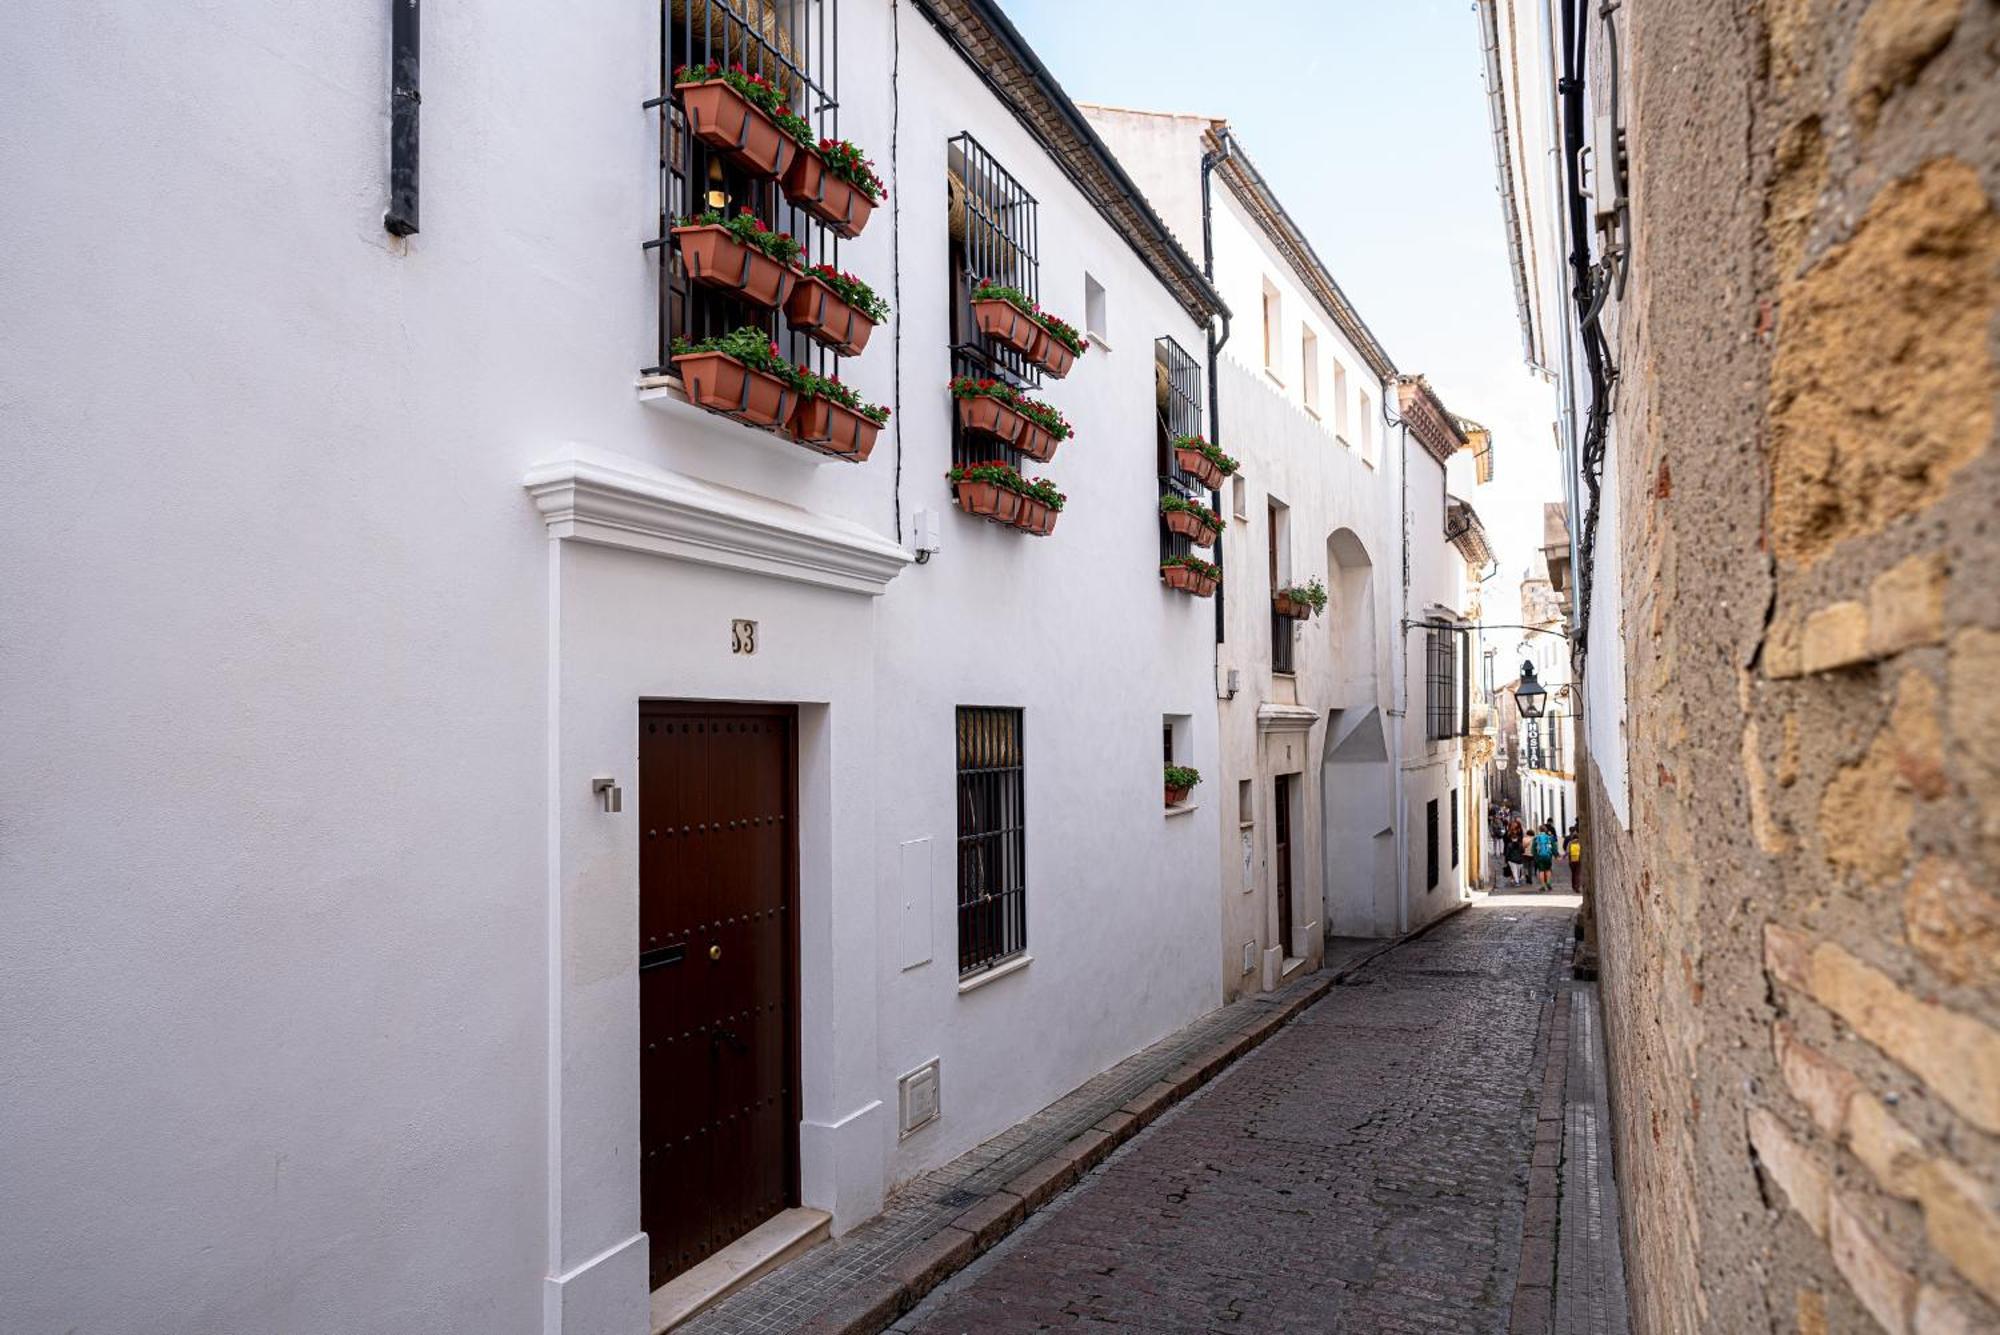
(1445, 681)
(794, 45)
(992, 839)
(1177, 401)
(995, 230)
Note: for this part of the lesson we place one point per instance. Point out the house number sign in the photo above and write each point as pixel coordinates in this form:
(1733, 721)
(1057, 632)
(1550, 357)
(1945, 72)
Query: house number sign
(742, 637)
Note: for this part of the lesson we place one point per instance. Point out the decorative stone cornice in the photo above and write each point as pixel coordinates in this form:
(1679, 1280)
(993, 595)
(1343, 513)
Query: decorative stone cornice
(1427, 417)
(624, 503)
(1286, 718)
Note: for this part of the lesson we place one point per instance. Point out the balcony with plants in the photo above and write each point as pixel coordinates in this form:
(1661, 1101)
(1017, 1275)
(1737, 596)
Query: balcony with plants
(757, 190)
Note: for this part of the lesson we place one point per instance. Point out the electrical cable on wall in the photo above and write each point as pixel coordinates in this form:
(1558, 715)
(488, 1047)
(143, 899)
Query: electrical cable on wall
(896, 257)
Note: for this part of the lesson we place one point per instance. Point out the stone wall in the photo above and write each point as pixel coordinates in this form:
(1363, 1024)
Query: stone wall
(1801, 931)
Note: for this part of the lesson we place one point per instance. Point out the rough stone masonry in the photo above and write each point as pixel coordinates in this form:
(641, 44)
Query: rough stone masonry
(1801, 928)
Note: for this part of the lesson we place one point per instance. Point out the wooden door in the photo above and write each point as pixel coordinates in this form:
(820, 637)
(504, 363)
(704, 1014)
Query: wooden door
(718, 975)
(1281, 857)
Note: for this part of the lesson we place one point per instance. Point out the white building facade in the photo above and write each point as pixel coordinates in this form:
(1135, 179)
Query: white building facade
(439, 746)
(1308, 813)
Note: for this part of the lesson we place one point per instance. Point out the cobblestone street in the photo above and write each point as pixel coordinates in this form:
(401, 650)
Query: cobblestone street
(1368, 1169)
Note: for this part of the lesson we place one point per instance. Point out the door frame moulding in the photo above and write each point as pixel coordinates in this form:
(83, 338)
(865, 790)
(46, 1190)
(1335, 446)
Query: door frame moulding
(619, 502)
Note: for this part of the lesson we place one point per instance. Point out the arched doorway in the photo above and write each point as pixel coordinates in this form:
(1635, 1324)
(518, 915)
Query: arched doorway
(1357, 789)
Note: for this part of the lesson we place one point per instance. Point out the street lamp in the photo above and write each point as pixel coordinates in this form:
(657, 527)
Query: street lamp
(1529, 697)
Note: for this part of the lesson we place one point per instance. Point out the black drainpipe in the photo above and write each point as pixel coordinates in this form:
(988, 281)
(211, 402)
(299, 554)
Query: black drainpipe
(404, 99)
(1209, 160)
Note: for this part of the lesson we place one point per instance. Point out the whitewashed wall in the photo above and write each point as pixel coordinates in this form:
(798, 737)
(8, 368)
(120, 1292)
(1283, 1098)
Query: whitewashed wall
(318, 977)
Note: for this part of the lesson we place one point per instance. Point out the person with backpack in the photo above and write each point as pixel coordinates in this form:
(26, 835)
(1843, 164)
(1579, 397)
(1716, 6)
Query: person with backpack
(1545, 855)
(1496, 829)
(1574, 847)
(1515, 862)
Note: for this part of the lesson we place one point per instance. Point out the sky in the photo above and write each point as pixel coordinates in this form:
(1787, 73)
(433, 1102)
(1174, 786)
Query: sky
(1369, 120)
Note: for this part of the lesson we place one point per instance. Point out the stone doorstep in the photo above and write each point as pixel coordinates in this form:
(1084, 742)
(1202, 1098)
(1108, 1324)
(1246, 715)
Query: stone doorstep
(785, 1235)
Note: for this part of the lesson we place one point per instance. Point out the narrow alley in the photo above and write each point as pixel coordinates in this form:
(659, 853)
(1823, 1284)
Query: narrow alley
(1368, 1169)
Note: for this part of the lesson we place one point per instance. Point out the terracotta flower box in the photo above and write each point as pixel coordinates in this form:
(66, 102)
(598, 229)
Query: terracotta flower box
(1287, 606)
(818, 312)
(1036, 517)
(835, 202)
(833, 428)
(713, 257)
(989, 500)
(721, 384)
(1188, 581)
(1037, 441)
(1055, 358)
(1004, 322)
(725, 120)
(1176, 796)
(1199, 467)
(1190, 526)
(991, 416)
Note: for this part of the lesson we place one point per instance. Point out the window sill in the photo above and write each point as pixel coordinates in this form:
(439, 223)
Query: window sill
(1005, 969)
(1099, 339)
(1274, 377)
(1311, 411)
(1184, 809)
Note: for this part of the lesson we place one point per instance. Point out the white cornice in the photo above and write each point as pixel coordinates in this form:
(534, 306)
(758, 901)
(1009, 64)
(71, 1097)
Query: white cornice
(624, 503)
(1286, 718)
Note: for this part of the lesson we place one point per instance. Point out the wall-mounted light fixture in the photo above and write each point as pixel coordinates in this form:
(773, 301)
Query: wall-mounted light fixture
(609, 796)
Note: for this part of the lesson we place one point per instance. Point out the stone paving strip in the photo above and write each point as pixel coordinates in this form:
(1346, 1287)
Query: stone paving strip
(1391, 1163)
(934, 1226)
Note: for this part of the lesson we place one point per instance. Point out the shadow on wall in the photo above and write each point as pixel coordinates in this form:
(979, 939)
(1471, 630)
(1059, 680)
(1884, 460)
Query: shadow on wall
(1358, 793)
(1350, 619)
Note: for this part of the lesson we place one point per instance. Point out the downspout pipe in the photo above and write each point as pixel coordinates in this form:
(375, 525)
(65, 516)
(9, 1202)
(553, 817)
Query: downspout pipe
(1210, 159)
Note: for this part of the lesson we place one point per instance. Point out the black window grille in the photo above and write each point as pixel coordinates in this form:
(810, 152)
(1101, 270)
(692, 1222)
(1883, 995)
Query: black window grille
(1444, 682)
(1556, 742)
(1177, 396)
(1454, 827)
(995, 231)
(992, 839)
(794, 44)
(1431, 845)
(1283, 629)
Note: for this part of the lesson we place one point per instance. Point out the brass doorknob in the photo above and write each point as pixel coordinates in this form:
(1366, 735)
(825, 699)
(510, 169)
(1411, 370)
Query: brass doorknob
(715, 952)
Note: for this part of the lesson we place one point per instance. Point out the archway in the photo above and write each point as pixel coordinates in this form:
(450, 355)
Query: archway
(1350, 619)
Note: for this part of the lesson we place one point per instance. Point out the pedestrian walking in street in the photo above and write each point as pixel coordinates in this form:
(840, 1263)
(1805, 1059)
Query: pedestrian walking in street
(1514, 855)
(1575, 850)
(1545, 855)
(1496, 828)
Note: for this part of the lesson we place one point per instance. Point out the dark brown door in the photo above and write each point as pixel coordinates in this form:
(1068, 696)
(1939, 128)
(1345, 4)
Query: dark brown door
(1282, 857)
(718, 1048)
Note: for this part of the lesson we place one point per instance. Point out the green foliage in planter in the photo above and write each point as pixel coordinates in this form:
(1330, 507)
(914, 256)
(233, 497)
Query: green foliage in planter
(1061, 330)
(755, 89)
(1209, 452)
(853, 291)
(1043, 490)
(1182, 776)
(1174, 501)
(1207, 569)
(992, 470)
(969, 387)
(1044, 416)
(830, 387)
(754, 348)
(749, 229)
(853, 166)
(1312, 593)
(1041, 414)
